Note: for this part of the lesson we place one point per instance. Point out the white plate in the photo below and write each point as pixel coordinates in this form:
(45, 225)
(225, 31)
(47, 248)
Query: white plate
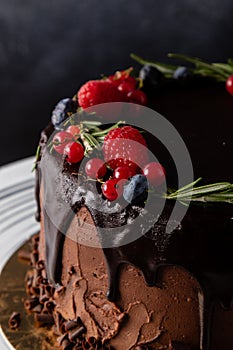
(17, 210)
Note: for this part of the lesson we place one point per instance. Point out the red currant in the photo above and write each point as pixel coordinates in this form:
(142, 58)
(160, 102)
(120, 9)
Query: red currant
(74, 152)
(137, 96)
(122, 172)
(95, 168)
(155, 173)
(74, 130)
(60, 141)
(229, 85)
(125, 87)
(109, 190)
(113, 189)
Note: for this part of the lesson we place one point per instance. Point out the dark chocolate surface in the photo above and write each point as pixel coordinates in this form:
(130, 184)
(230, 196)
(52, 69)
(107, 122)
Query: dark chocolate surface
(202, 243)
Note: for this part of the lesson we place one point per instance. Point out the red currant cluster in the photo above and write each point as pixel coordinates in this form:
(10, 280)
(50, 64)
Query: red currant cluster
(66, 142)
(113, 187)
(122, 146)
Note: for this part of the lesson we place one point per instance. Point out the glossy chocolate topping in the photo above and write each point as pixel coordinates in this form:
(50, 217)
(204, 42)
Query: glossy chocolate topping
(202, 243)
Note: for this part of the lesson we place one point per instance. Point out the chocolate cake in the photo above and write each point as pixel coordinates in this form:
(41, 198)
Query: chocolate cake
(166, 289)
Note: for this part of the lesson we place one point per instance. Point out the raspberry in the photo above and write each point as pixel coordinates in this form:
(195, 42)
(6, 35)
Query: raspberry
(125, 147)
(121, 77)
(99, 91)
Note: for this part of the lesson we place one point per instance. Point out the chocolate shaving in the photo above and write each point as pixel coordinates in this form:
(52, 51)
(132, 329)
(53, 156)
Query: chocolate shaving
(70, 324)
(76, 334)
(48, 306)
(40, 265)
(34, 257)
(44, 298)
(34, 291)
(29, 304)
(49, 290)
(37, 308)
(65, 343)
(14, 320)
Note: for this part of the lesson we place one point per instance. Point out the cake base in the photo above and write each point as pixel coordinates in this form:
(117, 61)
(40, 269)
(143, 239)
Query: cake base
(12, 297)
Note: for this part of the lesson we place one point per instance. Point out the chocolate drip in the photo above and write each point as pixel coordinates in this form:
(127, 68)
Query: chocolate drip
(45, 134)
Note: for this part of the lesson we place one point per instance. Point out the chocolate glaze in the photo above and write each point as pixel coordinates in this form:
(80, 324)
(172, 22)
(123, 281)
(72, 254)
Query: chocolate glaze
(201, 243)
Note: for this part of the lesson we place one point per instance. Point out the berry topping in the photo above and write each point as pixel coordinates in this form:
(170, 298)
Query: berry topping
(150, 76)
(99, 91)
(137, 96)
(95, 168)
(125, 147)
(155, 173)
(122, 172)
(74, 152)
(114, 88)
(113, 189)
(136, 190)
(182, 73)
(229, 85)
(60, 141)
(62, 110)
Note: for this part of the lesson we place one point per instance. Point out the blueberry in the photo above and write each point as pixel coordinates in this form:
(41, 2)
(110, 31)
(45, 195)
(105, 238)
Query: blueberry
(150, 75)
(61, 110)
(136, 190)
(182, 73)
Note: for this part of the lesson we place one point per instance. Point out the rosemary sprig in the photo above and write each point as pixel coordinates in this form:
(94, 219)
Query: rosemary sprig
(217, 192)
(37, 157)
(217, 71)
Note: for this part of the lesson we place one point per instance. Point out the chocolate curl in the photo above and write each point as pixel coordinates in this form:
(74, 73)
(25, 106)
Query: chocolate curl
(29, 304)
(58, 323)
(70, 324)
(14, 320)
(48, 307)
(34, 257)
(40, 265)
(92, 341)
(43, 320)
(28, 283)
(38, 308)
(41, 280)
(35, 291)
(35, 240)
(43, 298)
(77, 333)
(64, 342)
(49, 290)
(85, 345)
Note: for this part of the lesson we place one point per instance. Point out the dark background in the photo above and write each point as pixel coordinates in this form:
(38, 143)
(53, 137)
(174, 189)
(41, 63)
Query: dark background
(49, 48)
